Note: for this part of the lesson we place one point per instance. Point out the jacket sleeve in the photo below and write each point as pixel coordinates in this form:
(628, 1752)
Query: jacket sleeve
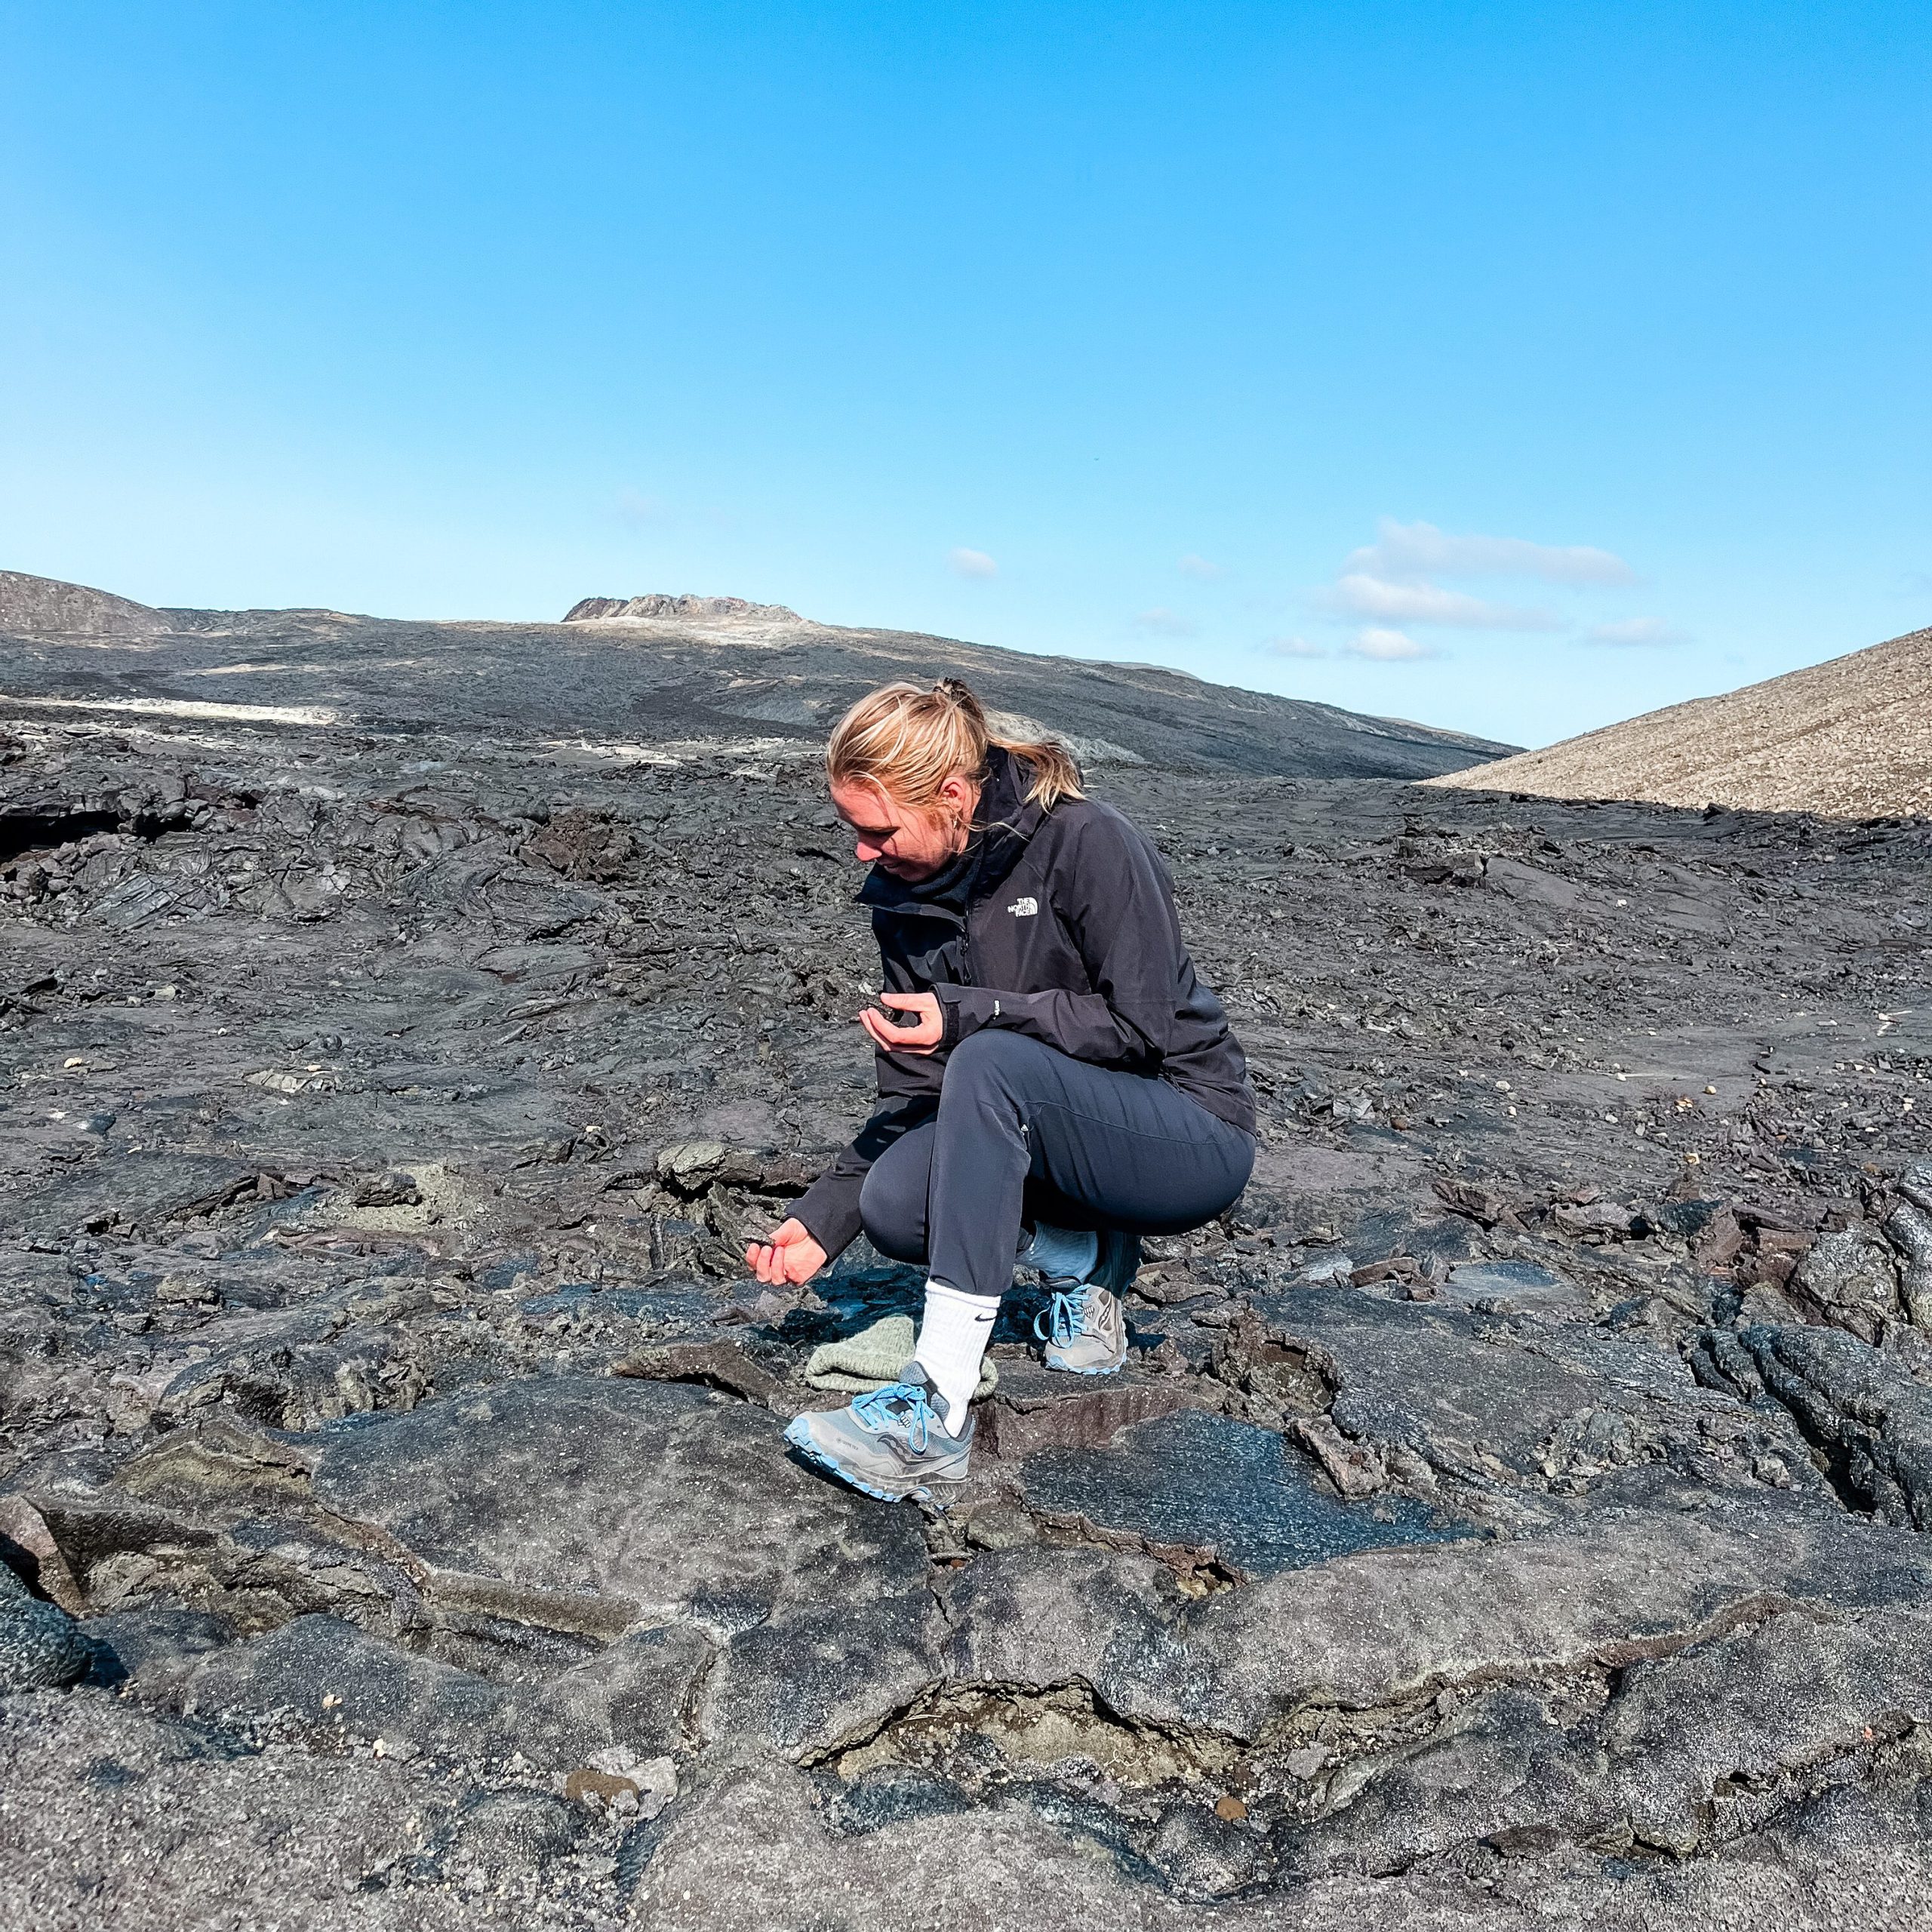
(1114, 895)
(828, 1209)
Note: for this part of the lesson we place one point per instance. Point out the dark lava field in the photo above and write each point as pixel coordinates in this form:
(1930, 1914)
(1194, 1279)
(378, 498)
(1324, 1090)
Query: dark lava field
(1513, 1513)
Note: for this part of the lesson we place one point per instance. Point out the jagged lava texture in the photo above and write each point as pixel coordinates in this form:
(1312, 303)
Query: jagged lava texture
(1513, 1511)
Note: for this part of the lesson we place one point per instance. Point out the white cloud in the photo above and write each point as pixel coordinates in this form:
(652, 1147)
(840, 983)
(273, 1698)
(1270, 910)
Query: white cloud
(1168, 623)
(1407, 550)
(1191, 565)
(1387, 647)
(973, 563)
(1360, 595)
(1628, 631)
(1295, 647)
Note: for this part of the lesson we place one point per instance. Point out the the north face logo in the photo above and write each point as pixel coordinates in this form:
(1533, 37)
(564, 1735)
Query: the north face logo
(1024, 909)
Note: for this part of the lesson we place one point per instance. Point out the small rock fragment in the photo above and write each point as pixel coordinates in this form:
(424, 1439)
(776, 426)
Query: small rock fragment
(1356, 1468)
(597, 1789)
(1002, 1526)
(691, 1164)
(1479, 1204)
(393, 1190)
(180, 1291)
(1848, 1277)
(715, 1364)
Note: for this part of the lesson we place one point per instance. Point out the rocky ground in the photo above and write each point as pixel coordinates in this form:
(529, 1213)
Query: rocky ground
(1514, 1512)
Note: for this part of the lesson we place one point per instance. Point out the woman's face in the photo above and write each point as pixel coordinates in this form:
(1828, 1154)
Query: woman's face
(910, 844)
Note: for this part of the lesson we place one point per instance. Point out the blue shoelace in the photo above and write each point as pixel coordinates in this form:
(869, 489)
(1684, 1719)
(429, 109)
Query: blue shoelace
(1066, 1316)
(900, 1402)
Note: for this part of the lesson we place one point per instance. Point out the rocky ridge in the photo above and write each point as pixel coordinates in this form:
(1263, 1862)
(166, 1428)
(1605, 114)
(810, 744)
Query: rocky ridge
(1514, 1511)
(751, 680)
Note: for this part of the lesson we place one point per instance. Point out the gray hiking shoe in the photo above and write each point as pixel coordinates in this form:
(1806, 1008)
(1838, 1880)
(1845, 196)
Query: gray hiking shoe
(1084, 1328)
(1084, 1331)
(891, 1443)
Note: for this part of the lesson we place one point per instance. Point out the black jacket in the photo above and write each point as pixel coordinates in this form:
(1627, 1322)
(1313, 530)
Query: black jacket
(1071, 938)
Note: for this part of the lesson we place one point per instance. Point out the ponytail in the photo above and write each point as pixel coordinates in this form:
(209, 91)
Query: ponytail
(906, 743)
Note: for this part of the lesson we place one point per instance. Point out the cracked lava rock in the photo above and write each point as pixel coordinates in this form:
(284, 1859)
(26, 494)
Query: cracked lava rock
(1512, 1512)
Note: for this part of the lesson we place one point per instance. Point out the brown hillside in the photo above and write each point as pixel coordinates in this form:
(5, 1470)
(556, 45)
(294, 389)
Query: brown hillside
(1848, 739)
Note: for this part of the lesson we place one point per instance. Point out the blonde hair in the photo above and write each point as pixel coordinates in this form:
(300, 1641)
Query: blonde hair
(906, 743)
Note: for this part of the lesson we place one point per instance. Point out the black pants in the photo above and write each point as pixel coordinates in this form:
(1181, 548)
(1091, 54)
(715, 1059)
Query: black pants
(1025, 1133)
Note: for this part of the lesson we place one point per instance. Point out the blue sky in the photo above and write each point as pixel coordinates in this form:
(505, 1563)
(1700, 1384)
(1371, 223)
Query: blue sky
(1514, 367)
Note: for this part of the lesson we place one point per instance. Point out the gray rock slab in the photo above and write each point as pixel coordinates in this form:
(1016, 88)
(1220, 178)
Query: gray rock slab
(657, 1494)
(1516, 1288)
(1379, 1626)
(337, 1680)
(1689, 1751)
(1501, 1399)
(138, 1188)
(664, 1501)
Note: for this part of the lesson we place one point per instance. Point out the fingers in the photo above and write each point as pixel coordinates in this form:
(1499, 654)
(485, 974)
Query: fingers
(791, 1256)
(920, 1039)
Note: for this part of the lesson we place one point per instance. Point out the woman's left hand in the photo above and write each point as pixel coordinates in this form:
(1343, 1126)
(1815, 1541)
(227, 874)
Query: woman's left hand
(920, 1038)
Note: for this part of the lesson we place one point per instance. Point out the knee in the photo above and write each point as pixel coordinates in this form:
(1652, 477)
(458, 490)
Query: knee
(895, 1223)
(992, 1057)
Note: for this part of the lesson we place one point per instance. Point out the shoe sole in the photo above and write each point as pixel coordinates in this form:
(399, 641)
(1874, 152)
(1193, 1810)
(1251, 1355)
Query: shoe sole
(1067, 1368)
(812, 1452)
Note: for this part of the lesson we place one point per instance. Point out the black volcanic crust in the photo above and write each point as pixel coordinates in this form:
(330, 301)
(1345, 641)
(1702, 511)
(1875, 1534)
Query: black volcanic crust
(740, 676)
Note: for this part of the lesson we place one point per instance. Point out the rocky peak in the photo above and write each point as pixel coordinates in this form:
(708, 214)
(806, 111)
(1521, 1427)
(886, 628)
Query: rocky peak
(660, 604)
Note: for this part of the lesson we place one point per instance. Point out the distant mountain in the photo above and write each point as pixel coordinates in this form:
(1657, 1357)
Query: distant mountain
(1848, 739)
(665, 670)
(712, 610)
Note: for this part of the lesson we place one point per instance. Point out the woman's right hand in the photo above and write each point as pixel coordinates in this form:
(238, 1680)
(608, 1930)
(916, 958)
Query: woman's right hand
(790, 1257)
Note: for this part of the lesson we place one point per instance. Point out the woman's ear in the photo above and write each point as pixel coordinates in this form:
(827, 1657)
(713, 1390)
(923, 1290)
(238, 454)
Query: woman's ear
(958, 795)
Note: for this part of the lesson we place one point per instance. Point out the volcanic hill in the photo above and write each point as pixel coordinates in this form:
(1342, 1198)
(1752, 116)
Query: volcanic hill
(1851, 738)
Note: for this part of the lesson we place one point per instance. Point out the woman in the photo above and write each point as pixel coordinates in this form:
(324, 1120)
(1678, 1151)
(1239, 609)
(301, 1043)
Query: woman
(1054, 1081)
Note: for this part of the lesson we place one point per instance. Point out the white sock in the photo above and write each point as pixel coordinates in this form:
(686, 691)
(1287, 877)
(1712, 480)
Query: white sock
(1062, 1254)
(952, 1339)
